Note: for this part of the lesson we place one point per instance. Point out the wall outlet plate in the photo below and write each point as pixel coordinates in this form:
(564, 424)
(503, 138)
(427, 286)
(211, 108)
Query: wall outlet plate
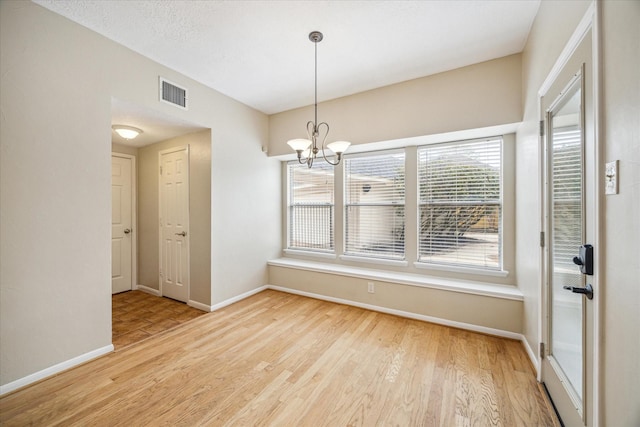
(611, 178)
(371, 288)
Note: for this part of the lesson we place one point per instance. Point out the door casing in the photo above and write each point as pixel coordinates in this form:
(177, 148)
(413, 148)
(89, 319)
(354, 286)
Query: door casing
(588, 27)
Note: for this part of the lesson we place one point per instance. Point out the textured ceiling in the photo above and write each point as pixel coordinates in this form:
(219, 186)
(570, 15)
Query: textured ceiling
(258, 52)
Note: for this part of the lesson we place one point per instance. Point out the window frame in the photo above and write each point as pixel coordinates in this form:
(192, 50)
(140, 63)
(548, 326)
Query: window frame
(457, 266)
(368, 257)
(410, 264)
(289, 217)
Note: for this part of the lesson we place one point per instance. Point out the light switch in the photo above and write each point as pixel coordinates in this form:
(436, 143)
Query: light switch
(611, 177)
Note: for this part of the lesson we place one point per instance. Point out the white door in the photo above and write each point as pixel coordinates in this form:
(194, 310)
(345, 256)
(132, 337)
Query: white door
(121, 224)
(174, 223)
(567, 363)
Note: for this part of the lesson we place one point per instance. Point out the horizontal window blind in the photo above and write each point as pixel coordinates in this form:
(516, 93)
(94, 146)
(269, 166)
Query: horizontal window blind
(567, 195)
(374, 205)
(311, 207)
(460, 202)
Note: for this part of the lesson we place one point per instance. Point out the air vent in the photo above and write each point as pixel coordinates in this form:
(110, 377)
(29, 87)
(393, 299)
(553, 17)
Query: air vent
(173, 94)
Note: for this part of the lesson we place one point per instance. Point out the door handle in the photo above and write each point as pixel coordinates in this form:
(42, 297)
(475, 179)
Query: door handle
(127, 230)
(587, 291)
(184, 233)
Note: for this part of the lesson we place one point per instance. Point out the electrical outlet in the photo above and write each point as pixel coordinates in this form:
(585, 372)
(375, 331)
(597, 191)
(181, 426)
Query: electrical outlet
(371, 288)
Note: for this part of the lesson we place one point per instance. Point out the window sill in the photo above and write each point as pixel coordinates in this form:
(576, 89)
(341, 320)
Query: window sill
(379, 261)
(452, 285)
(456, 269)
(325, 255)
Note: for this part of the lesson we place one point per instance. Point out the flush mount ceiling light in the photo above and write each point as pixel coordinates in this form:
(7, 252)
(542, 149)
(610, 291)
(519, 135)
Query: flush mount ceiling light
(307, 149)
(127, 132)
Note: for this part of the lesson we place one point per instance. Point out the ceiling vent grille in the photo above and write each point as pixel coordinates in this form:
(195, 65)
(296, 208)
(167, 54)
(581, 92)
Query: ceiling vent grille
(173, 94)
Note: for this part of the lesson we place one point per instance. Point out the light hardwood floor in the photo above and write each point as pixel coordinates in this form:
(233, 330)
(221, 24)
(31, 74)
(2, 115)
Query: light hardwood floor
(276, 359)
(136, 316)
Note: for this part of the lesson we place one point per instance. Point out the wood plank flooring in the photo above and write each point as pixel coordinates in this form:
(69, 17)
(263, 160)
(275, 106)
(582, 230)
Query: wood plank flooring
(138, 315)
(276, 359)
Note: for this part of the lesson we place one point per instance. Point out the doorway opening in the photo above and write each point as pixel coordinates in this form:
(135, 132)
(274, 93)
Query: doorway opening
(161, 132)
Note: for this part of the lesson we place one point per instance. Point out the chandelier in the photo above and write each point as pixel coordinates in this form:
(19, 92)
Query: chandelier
(307, 149)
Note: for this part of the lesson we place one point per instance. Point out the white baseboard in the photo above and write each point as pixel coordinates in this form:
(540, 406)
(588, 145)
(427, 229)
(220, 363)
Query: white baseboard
(12, 386)
(240, 297)
(55, 369)
(407, 314)
(437, 320)
(531, 354)
(199, 305)
(149, 290)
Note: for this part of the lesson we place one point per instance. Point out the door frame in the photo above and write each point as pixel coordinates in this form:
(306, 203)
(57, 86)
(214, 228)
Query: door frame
(591, 21)
(134, 218)
(186, 148)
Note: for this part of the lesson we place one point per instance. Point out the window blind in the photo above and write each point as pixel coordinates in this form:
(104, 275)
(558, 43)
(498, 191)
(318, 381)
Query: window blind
(460, 203)
(374, 205)
(311, 206)
(566, 205)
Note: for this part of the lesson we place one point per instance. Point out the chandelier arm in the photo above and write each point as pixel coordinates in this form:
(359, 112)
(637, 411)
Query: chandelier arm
(323, 141)
(311, 130)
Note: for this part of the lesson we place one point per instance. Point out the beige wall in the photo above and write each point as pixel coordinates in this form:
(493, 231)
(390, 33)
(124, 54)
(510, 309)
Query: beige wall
(621, 287)
(620, 256)
(124, 149)
(57, 82)
(199, 213)
(552, 28)
(477, 96)
(479, 310)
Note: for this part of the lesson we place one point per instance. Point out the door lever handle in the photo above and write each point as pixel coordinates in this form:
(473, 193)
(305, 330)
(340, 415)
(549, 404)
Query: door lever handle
(127, 230)
(184, 233)
(587, 291)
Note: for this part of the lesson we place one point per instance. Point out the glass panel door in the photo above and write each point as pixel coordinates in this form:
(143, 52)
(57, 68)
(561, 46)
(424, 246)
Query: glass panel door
(566, 227)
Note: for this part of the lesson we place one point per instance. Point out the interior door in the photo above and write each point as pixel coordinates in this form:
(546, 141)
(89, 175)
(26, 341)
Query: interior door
(174, 223)
(567, 365)
(121, 224)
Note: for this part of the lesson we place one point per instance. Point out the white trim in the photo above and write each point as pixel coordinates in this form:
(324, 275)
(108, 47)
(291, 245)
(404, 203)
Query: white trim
(406, 314)
(592, 20)
(458, 269)
(452, 285)
(149, 290)
(199, 305)
(533, 357)
(578, 35)
(134, 217)
(597, 68)
(218, 306)
(237, 298)
(315, 254)
(55, 369)
(48, 372)
(379, 261)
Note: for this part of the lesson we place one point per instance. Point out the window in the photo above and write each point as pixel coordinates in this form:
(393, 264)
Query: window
(460, 204)
(310, 205)
(374, 205)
